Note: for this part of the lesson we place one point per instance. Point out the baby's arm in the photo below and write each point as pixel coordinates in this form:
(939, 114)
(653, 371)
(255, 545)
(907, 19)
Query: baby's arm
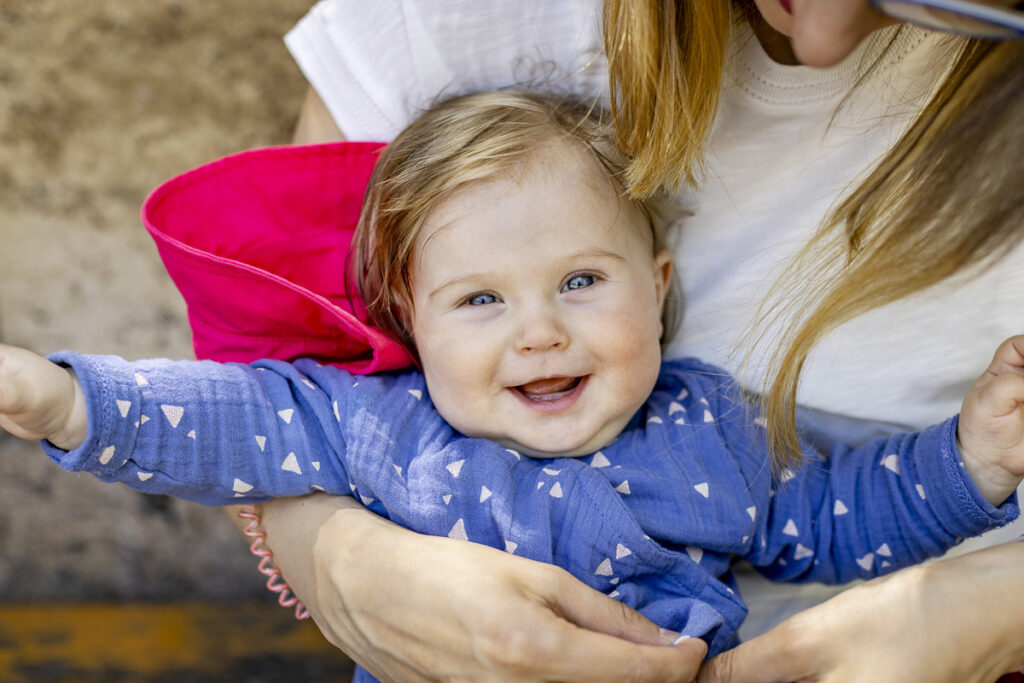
(40, 400)
(214, 433)
(990, 434)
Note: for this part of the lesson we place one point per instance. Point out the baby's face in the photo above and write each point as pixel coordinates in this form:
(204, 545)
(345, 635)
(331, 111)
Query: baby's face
(537, 307)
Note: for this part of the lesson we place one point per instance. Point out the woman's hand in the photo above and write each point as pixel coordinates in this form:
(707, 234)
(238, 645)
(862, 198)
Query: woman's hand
(420, 608)
(957, 621)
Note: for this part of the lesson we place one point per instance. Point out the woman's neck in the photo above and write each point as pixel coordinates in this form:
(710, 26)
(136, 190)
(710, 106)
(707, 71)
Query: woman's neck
(775, 45)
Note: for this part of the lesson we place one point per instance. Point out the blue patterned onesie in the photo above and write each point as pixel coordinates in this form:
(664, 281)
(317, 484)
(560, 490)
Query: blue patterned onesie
(654, 519)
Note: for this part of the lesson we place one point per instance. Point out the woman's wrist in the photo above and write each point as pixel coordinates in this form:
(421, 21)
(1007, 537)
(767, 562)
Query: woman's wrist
(991, 582)
(292, 526)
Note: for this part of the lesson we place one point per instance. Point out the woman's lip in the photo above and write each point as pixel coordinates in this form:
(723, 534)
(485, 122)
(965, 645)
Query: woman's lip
(786, 5)
(555, 402)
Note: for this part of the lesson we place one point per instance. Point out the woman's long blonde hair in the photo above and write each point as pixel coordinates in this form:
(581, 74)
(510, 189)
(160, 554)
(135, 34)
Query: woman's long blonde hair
(946, 199)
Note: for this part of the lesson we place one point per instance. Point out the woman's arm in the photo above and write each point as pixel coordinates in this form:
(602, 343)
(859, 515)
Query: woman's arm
(957, 620)
(315, 123)
(419, 608)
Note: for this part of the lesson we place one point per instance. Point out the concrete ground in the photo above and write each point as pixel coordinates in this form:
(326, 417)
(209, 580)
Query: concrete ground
(99, 103)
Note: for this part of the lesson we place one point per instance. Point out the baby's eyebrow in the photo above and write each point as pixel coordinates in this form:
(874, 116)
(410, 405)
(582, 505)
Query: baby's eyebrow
(568, 261)
(464, 279)
(595, 253)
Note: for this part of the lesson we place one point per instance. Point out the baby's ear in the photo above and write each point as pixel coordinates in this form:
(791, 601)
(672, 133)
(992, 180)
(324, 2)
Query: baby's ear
(663, 267)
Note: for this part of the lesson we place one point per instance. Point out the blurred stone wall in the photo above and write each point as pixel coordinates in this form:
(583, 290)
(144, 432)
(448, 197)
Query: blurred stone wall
(100, 101)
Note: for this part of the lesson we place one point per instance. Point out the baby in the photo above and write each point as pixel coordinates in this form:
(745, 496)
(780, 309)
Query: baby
(497, 243)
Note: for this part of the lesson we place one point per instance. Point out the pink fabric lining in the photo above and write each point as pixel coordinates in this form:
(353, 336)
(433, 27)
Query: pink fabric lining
(258, 243)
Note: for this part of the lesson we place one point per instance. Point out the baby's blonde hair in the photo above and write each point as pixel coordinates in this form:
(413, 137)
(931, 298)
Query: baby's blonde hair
(457, 142)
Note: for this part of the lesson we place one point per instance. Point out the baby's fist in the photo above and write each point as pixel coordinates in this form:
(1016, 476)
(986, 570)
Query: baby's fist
(991, 429)
(40, 400)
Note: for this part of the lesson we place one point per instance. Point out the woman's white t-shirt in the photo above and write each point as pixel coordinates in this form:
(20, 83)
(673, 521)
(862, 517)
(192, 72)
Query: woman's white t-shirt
(788, 142)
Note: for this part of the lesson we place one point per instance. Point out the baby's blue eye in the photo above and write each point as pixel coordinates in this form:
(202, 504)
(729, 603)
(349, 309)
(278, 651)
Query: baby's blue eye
(481, 299)
(579, 282)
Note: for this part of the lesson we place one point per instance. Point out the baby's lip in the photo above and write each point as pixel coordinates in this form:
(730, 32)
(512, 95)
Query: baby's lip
(538, 389)
(551, 395)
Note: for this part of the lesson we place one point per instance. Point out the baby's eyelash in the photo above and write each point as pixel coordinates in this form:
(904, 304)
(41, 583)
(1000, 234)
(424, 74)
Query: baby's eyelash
(480, 299)
(586, 278)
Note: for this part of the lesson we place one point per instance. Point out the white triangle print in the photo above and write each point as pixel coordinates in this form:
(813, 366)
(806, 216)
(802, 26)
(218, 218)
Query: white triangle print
(884, 550)
(786, 476)
(892, 463)
(540, 485)
(455, 468)
(705, 402)
(708, 417)
(600, 460)
(140, 380)
(790, 529)
(622, 551)
(556, 490)
(316, 465)
(416, 394)
(316, 487)
(702, 489)
(485, 493)
(398, 469)
(241, 486)
(683, 394)
(761, 422)
(680, 421)
(106, 455)
(286, 415)
(696, 554)
(123, 407)
(515, 453)
(675, 407)
(510, 547)
(920, 491)
(614, 581)
(309, 384)
(191, 434)
(143, 420)
(866, 561)
(752, 511)
(459, 531)
(605, 568)
(802, 553)
(291, 464)
(839, 508)
(367, 501)
(337, 413)
(173, 414)
(552, 472)
(623, 488)
(261, 441)
(654, 420)
(614, 594)
(144, 476)
(447, 498)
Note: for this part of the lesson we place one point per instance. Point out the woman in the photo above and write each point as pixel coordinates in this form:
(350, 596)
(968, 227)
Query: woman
(896, 291)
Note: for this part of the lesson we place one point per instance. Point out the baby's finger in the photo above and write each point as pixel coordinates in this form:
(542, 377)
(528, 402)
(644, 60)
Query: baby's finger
(1002, 394)
(1009, 357)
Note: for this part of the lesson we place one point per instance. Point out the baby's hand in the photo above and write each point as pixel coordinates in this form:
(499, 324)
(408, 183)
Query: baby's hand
(41, 400)
(991, 430)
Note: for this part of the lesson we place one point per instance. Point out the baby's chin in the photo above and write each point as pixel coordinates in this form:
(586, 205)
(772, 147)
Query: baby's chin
(589, 447)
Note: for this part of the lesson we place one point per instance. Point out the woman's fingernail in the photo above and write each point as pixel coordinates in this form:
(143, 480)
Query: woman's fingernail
(668, 636)
(680, 639)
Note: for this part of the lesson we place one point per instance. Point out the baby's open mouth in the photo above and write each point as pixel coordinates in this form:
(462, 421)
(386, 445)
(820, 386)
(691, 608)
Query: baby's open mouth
(550, 389)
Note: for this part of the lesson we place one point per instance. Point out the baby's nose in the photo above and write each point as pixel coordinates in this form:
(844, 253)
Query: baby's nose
(541, 330)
